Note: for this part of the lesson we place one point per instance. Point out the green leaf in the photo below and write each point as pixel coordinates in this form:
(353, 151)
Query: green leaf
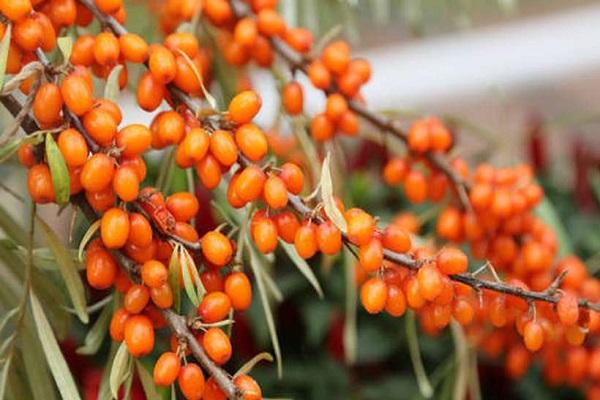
(350, 331)
(147, 382)
(165, 170)
(68, 271)
(545, 210)
(119, 370)
(12, 228)
(333, 213)
(104, 390)
(95, 336)
(247, 367)
(4, 370)
(415, 356)
(262, 290)
(59, 171)
(303, 266)
(187, 268)
(38, 375)
(112, 89)
(4, 47)
(58, 366)
(89, 234)
(65, 45)
(6, 318)
(174, 278)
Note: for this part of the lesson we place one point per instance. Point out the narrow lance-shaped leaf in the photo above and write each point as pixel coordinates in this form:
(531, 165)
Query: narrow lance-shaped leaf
(65, 45)
(59, 171)
(209, 97)
(68, 271)
(4, 370)
(4, 47)
(186, 266)
(333, 213)
(58, 366)
(247, 367)
(119, 370)
(95, 336)
(147, 381)
(262, 290)
(111, 90)
(350, 334)
(89, 234)
(303, 266)
(10, 148)
(415, 356)
(201, 291)
(37, 371)
(174, 279)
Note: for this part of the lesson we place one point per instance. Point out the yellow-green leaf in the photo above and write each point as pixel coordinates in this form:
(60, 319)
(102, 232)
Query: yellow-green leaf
(148, 385)
(95, 336)
(10, 148)
(333, 213)
(350, 336)
(247, 367)
(120, 370)
(68, 271)
(58, 366)
(415, 356)
(89, 234)
(302, 266)
(174, 278)
(4, 46)
(187, 267)
(65, 45)
(111, 90)
(59, 171)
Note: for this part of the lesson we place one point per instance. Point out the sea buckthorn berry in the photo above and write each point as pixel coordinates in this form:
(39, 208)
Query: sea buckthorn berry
(270, 23)
(134, 140)
(183, 41)
(126, 183)
(463, 311)
(349, 83)
(250, 183)
(449, 224)
(117, 324)
(361, 68)
(154, 273)
(101, 269)
(329, 238)
(212, 281)
(244, 107)
(162, 64)
(195, 144)
(370, 255)
(321, 128)
(305, 240)
(106, 49)
(245, 32)
(27, 33)
(451, 260)
(212, 391)
(102, 200)
(275, 192)
(140, 230)
(264, 234)
(110, 107)
(395, 171)
(395, 304)
(481, 195)
(293, 177)
(15, 9)
(166, 369)
(497, 312)
(100, 125)
(209, 172)
(415, 187)
(150, 92)
(575, 335)
(139, 335)
(319, 75)
(214, 307)
(138, 164)
(568, 309)
(293, 98)
(136, 299)
(77, 94)
(114, 228)
(223, 147)
(287, 225)
(252, 141)
(440, 137)
(536, 256)
(216, 248)
(47, 104)
(299, 39)
(162, 296)
(25, 155)
(232, 197)
(501, 203)
(109, 6)
(217, 345)
(430, 281)
(183, 205)
(39, 183)
(73, 147)
(186, 78)
(239, 290)
(533, 335)
(348, 123)
(438, 185)
(336, 56)
(218, 11)
(396, 239)
(373, 295)
(248, 387)
(336, 106)
(361, 226)
(168, 127)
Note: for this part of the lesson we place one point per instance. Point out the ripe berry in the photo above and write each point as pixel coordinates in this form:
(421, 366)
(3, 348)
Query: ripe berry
(415, 187)
(370, 255)
(106, 49)
(136, 299)
(191, 381)
(150, 92)
(217, 345)
(39, 183)
(166, 369)
(396, 239)
(293, 177)
(305, 240)
(162, 296)
(329, 238)
(248, 387)
(134, 140)
(183, 205)
(533, 335)
(154, 273)
(270, 23)
(430, 281)
(212, 391)
(239, 290)
(216, 247)
(361, 226)
(373, 295)
(275, 192)
(126, 183)
(223, 147)
(244, 107)
(451, 261)
(114, 228)
(209, 172)
(117, 324)
(97, 173)
(287, 225)
(335, 107)
(264, 233)
(214, 307)
(321, 128)
(47, 104)
(101, 269)
(319, 75)
(250, 183)
(463, 311)
(139, 335)
(15, 9)
(336, 57)
(251, 141)
(293, 98)
(568, 309)
(73, 147)
(395, 304)
(162, 64)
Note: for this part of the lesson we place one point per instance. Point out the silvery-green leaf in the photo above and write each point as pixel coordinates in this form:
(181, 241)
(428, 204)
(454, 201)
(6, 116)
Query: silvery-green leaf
(187, 265)
(147, 382)
(38, 375)
(58, 366)
(4, 47)
(111, 90)
(302, 266)
(350, 332)
(119, 370)
(59, 171)
(95, 336)
(174, 279)
(331, 210)
(89, 234)
(65, 45)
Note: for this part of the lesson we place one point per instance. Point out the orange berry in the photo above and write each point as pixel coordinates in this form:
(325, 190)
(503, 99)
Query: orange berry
(212, 391)
(195, 144)
(166, 369)
(184, 41)
(251, 141)
(15, 9)
(162, 64)
(239, 290)
(395, 304)
(27, 33)
(223, 147)
(39, 183)
(136, 299)
(245, 32)
(126, 183)
(73, 147)
(361, 226)
(25, 155)
(275, 192)
(430, 281)
(244, 107)
(162, 296)
(114, 228)
(101, 269)
(568, 309)
(370, 255)
(150, 92)
(336, 56)
(264, 233)
(217, 248)
(329, 238)
(47, 104)
(293, 98)
(168, 127)
(139, 335)
(214, 307)
(109, 6)
(533, 335)
(209, 172)
(299, 39)
(463, 311)
(305, 240)
(348, 123)
(395, 171)
(319, 75)
(373, 295)
(217, 345)
(154, 274)
(250, 183)
(287, 225)
(321, 128)
(335, 106)
(106, 49)
(117, 324)
(451, 260)
(415, 187)
(77, 94)
(396, 239)
(293, 177)
(191, 381)
(183, 205)
(134, 140)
